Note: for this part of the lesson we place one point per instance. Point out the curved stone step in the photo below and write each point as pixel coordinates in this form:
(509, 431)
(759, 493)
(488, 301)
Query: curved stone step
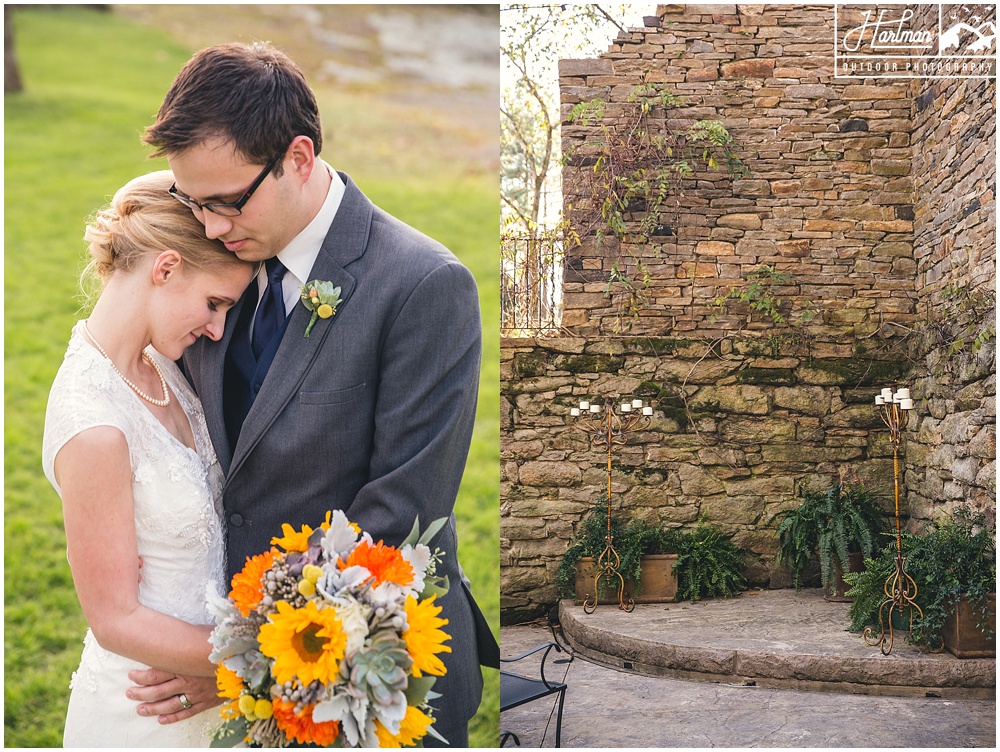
(770, 638)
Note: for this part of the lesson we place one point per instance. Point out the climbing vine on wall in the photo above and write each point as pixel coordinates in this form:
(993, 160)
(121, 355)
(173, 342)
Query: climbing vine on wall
(640, 169)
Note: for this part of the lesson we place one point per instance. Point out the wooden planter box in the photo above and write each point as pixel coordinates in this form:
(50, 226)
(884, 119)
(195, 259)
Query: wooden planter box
(962, 636)
(855, 563)
(659, 583)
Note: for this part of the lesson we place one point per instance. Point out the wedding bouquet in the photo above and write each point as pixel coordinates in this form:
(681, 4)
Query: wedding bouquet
(331, 639)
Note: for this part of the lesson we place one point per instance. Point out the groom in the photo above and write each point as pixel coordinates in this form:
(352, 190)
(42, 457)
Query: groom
(371, 413)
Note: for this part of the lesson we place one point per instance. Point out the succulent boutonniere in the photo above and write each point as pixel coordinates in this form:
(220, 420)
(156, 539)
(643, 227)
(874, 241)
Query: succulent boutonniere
(320, 297)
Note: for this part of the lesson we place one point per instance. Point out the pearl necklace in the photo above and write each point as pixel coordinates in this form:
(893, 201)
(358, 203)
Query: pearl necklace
(145, 356)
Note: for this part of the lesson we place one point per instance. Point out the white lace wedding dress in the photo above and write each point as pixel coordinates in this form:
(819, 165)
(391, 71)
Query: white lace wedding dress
(177, 495)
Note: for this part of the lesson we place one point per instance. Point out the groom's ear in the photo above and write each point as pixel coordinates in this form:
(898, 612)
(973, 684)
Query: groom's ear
(166, 265)
(301, 156)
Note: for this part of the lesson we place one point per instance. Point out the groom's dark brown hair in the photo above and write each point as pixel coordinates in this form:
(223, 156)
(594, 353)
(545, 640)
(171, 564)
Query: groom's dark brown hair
(250, 94)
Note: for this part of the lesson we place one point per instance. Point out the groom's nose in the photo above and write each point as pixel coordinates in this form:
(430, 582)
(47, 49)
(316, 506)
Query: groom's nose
(216, 225)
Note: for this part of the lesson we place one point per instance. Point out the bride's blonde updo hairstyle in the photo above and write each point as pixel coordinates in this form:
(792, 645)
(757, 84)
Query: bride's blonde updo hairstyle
(142, 220)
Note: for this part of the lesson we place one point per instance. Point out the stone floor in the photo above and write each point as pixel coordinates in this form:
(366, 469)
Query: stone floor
(607, 706)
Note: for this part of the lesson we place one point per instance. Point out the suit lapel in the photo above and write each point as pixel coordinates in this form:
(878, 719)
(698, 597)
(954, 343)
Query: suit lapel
(345, 242)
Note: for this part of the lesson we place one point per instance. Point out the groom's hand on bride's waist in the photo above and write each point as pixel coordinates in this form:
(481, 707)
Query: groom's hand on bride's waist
(159, 693)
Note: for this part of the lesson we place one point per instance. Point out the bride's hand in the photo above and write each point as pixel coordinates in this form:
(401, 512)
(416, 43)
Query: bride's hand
(159, 694)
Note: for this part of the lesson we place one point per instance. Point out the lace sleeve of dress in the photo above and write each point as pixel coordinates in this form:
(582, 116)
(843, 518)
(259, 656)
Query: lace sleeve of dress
(84, 395)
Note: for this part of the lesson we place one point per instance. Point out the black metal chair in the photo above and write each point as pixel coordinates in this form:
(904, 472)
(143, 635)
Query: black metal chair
(516, 690)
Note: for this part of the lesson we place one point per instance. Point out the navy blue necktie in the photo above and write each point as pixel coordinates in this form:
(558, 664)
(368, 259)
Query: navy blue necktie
(271, 311)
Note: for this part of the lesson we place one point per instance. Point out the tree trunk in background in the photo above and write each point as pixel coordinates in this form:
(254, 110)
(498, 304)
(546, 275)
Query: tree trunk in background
(11, 74)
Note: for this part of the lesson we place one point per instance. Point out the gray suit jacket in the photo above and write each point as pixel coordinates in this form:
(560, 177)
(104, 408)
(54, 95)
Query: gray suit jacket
(372, 413)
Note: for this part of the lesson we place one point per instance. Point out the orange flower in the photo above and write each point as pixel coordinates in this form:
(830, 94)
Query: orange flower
(247, 589)
(384, 562)
(300, 727)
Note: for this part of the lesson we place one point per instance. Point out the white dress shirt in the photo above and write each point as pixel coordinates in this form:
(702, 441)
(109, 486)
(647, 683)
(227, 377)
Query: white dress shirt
(300, 254)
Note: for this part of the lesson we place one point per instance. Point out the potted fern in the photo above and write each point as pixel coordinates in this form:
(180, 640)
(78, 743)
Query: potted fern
(708, 564)
(647, 556)
(954, 568)
(839, 527)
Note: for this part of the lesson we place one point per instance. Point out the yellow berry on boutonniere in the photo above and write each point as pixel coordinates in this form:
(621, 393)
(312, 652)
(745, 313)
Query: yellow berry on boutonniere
(320, 297)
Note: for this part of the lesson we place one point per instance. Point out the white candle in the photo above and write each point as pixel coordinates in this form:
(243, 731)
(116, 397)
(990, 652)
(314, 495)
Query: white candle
(575, 412)
(637, 403)
(585, 405)
(626, 407)
(647, 411)
(879, 400)
(903, 393)
(906, 404)
(595, 408)
(887, 394)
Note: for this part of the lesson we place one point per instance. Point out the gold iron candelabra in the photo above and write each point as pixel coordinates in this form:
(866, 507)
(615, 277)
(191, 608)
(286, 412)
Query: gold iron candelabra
(900, 589)
(608, 429)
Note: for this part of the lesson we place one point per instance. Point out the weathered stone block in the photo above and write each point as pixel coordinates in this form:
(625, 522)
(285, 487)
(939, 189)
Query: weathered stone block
(739, 221)
(750, 68)
(549, 474)
(697, 482)
(748, 400)
(808, 400)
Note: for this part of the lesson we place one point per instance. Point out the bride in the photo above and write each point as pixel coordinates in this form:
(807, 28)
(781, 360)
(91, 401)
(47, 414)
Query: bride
(127, 449)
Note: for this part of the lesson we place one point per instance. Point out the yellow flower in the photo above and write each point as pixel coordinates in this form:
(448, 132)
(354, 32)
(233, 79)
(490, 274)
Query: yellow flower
(262, 709)
(325, 311)
(308, 643)
(413, 727)
(246, 705)
(312, 573)
(230, 685)
(292, 541)
(306, 588)
(423, 638)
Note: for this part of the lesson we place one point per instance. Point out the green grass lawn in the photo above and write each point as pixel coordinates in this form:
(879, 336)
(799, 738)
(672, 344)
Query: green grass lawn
(93, 81)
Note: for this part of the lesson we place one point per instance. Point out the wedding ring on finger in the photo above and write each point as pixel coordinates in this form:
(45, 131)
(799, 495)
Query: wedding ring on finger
(185, 702)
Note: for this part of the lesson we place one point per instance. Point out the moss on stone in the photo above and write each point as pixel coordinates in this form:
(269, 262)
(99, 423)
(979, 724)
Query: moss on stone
(652, 345)
(770, 376)
(530, 364)
(589, 363)
(861, 372)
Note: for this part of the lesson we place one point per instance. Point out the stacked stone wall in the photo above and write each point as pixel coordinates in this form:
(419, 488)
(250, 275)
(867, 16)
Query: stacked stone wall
(739, 432)
(951, 444)
(828, 200)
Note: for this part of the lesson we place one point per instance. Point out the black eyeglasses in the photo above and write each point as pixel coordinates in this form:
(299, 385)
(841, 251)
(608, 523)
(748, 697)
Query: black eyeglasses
(226, 210)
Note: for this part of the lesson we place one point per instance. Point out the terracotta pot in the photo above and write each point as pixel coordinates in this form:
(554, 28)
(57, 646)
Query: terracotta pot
(855, 563)
(659, 583)
(962, 636)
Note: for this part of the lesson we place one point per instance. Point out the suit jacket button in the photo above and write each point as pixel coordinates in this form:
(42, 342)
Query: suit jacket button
(236, 520)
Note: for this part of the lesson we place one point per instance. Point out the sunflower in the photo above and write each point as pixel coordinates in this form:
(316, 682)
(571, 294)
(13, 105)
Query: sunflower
(385, 563)
(247, 590)
(299, 727)
(292, 541)
(413, 727)
(230, 686)
(307, 642)
(423, 638)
